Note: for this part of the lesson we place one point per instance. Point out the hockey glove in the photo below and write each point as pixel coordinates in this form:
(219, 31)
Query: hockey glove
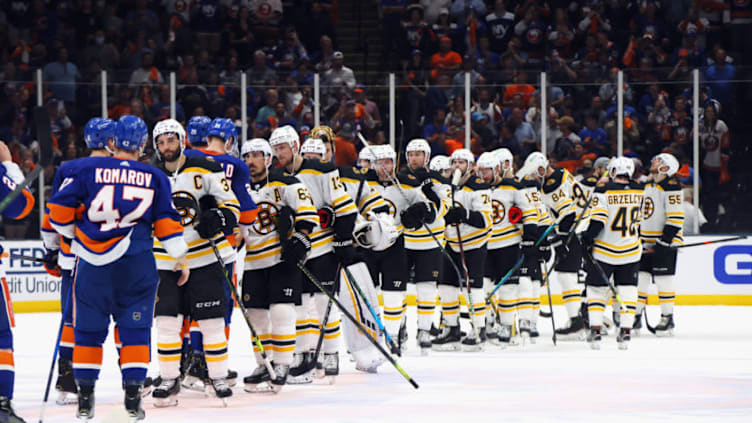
(344, 251)
(661, 254)
(427, 188)
(296, 248)
(326, 217)
(544, 250)
(422, 175)
(456, 215)
(587, 239)
(409, 221)
(213, 221)
(50, 263)
(529, 250)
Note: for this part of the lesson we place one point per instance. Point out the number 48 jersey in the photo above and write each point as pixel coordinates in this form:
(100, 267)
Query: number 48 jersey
(108, 208)
(618, 207)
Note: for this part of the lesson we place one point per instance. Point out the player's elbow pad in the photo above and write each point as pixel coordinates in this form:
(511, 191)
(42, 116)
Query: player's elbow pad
(475, 219)
(343, 226)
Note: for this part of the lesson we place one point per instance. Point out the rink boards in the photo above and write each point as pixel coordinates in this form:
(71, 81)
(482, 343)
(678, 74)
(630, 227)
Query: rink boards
(716, 274)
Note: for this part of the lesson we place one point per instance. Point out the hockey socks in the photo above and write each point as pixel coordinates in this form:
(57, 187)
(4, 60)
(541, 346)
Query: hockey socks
(450, 304)
(332, 329)
(643, 283)
(282, 318)
(570, 292)
(394, 308)
(426, 299)
(596, 297)
(215, 346)
(169, 345)
(134, 355)
(628, 294)
(666, 294)
(87, 355)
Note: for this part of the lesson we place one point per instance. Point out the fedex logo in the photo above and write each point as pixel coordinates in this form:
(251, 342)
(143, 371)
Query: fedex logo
(732, 264)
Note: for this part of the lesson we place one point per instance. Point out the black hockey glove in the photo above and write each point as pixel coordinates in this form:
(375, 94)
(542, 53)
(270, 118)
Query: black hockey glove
(456, 215)
(587, 239)
(409, 220)
(344, 251)
(326, 217)
(50, 263)
(427, 188)
(661, 253)
(529, 250)
(419, 213)
(214, 220)
(296, 248)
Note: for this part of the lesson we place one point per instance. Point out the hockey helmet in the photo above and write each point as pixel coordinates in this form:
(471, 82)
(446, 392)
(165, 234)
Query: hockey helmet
(131, 133)
(463, 154)
(668, 160)
(258, 145)
(503, 155)
(225, 129)
(197, 129)
(620, 166)
(286, 134)
(439, 163)
(98, 131)
(533, 163)
(313, 146)
(419, 144)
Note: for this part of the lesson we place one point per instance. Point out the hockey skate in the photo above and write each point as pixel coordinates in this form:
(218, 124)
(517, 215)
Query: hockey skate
(133, 394)
(221, 389)
(65, 384)
(197, 376)
(402, 338)
(623, 338)
(259, 381)
(594, 338)
(471, 343)
(503, 335)
(534, 334)
(85, 402)
(148, 386)
(166, 393)
(665, 327)
(637, 325)
(232, 378)
(395, 349)
(7, 414)
(331, 366)
(574, 331)
(301, 371)
(448, 340)
(424, 341)
(525, 331)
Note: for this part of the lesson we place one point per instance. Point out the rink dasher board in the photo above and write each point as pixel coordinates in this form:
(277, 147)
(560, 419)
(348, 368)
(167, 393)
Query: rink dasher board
(716, 274)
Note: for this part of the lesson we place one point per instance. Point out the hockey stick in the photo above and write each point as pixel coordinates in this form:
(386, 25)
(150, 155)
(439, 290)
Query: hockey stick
(370, 308)
(550, 304)
(30, 258)
(254, 335)
(603, 275)
(394, 181)
(331, 296)
(698, 244)
(456, 177)
(322, 329)
(54, 356)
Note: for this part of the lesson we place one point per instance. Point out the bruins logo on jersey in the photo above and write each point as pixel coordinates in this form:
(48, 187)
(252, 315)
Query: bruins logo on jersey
(498, 211)
(186, 205)
(392, 207)
(266, 220)
(648, 208)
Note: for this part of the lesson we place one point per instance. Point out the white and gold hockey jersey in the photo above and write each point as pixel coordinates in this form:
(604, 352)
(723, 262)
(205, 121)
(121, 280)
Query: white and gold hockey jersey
(531, 191)
(421, 239)
(618, 207)
(662, 213)
(202, 180)
(323, 182)
(563, 195)
(360, 183)
(262, 242)
(474, 195)
(399, 198)
(506, 194)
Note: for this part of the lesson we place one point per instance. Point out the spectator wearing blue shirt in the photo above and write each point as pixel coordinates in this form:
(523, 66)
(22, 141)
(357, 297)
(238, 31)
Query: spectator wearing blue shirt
(460, 8)
(719, 75)
(592, 136)
(435, 133)
(61, 77)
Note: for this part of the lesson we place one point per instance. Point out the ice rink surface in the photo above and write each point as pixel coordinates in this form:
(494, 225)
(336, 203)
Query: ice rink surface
(703, 373)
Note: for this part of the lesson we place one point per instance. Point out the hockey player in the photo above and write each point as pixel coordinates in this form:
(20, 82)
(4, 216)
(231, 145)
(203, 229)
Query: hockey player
(329, 246)
(208, 209)
(515, 222)
(116, 274)
(365, 159)
(566, 200)
(411, 209)
(99, 136)
(442, 165)
(197, 130)
(272, 281)
(661, 228)
(469, 219)
(614, 236)
(424, 256)
(222, 139)
(20, 207)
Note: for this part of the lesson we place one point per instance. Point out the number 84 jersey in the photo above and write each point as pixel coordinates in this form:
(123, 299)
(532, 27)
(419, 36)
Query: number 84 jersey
(263, 247)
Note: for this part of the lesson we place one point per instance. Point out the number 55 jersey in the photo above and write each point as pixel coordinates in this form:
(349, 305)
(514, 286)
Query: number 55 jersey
(108, 208)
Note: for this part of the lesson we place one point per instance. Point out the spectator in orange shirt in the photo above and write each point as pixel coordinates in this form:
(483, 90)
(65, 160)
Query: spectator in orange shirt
(521, 86)
(445, 60)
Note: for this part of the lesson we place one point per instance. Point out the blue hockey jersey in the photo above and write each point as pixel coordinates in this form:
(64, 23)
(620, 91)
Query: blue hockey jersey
(108, 208)
(10, 177)
(52, 240)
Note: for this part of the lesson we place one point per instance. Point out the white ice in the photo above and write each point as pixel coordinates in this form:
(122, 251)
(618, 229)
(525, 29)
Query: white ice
(704, 373)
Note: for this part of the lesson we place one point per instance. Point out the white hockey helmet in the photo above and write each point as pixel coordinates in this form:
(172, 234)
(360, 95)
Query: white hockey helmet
(313, 146)
(384, 151)
(419, 144)
(503, 155)
(533, 163)
(378, 233)
(367, 153)
(286, 134)
(168, 126)
(463, 154)
(668, 160)
(488, 161)
(440, 163)
(621, 166)
(258, 145)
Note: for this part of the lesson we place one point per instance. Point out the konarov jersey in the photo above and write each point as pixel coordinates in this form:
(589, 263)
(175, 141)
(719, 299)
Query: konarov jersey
(108, 207)
(618, 207)
(262, 238)
(202, 180)
(662, 213)
(421, 239)
(506, 194)
(474, 195)
(323, 182)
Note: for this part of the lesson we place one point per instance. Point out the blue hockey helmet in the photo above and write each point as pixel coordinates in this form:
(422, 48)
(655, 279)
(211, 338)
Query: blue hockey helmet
(98, 131)
(225, 129)
(131, 133)
(197, 129)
